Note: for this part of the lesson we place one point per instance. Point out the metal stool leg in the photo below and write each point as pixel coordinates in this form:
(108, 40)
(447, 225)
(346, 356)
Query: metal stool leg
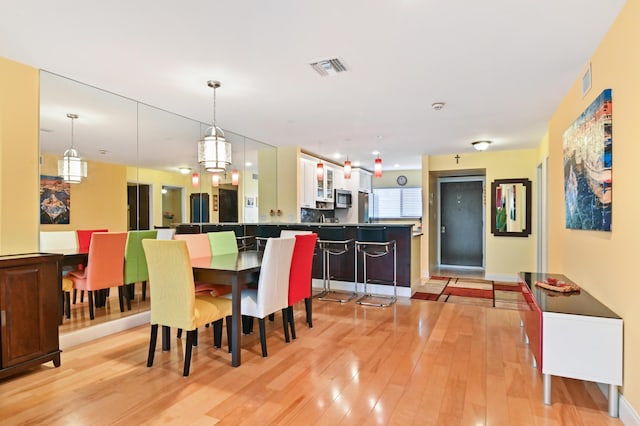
(369, 299)
(338, 296)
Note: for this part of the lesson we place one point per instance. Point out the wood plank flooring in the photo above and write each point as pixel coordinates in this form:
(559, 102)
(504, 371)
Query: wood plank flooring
(417, 362)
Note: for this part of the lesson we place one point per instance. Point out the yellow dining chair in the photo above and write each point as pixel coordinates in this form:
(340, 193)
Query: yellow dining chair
(174, 303)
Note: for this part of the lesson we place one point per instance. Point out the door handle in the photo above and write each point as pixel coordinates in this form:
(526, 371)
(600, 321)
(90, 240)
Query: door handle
(442, 229)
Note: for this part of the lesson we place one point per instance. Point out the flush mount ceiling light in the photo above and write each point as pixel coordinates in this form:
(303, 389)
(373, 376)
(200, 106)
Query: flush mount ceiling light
(481, 145)
(437, 106)
(71, 167)
(214, 152)
(185, 170)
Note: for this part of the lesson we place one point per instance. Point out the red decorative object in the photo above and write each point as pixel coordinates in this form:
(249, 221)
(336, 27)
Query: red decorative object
(235, 178)
(320, 171)
(377, 167)
(347, 169)
(195, 180)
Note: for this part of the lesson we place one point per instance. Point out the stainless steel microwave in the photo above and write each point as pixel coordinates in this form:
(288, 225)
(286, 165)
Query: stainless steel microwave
(342, 199)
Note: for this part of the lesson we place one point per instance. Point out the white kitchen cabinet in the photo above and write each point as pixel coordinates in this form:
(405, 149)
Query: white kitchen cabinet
(307, 185)
(324, 187)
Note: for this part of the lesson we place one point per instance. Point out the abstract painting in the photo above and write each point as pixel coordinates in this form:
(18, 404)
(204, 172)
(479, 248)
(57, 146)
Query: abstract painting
(54, 200)
(587, 153)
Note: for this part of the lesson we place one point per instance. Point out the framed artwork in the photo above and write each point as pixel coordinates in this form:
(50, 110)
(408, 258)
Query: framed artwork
(55, 200)
(587, 151)
(251, 202)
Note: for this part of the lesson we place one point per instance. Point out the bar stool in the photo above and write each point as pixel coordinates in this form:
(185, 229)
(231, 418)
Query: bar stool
(332, 241)
(372, 243)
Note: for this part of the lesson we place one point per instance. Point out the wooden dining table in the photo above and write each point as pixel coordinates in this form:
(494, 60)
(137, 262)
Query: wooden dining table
(236, 270)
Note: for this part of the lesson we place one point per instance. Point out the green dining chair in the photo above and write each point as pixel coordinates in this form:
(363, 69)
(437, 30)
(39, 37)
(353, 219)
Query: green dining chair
(135, 263)
(223, 242)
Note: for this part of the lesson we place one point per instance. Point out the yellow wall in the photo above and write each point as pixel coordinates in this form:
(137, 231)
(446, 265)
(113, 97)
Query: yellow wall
(19, 146)
(601, 262)
(388, 179)
(99, 201)
(505, 256)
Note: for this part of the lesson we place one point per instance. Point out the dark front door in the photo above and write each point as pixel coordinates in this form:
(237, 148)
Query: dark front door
(138, 200)
(228, 205)
(461, 219)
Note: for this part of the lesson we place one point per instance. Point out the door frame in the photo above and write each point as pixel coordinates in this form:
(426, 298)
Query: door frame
(476, 178)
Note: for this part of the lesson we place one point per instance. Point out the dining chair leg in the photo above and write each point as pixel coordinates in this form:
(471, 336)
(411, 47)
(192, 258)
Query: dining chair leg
(191, 335)
(195, 338)
(166, 335)
(291, 322)
(272, 317)
(228, 321)
(67, 307)
(247, 324)
(121, 297)
(179, 333)
(285, 324)
(90, 299)
(263, 337)
(217, 334)
(75, 293)
(144, 290)
(308, 308)
(152, 344)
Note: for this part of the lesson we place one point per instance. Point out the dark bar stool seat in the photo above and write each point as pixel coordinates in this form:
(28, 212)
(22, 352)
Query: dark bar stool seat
(332, 241)
(372, 243)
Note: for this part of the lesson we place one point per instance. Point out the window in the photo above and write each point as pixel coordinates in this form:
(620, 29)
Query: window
(397, 203)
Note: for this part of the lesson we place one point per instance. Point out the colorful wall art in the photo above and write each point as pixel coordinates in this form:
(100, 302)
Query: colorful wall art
(587, 152)
(54, 200)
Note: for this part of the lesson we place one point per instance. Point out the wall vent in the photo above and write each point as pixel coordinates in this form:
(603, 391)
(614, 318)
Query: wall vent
(328, 67)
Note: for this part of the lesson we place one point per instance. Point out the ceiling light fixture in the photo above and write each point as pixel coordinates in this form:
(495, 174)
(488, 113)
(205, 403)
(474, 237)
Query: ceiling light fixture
(481, 145)
(214, 152)
(347, 168)
(71, 167)
(235, 178)
(195, 180)
(320, 171)
(185, 170)
(215, 179)
(437, 106)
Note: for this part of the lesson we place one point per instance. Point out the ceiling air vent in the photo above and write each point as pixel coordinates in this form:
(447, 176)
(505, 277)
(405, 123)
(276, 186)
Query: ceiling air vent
(328, 67)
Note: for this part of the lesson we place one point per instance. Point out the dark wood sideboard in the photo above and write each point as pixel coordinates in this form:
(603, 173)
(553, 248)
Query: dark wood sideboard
(30, 297)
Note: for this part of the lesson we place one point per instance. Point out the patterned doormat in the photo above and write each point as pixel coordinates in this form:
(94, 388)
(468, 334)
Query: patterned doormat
(472, 291)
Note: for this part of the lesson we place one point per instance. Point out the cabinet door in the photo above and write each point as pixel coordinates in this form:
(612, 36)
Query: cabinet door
(308, 184)
(328, 183)
(29, 302)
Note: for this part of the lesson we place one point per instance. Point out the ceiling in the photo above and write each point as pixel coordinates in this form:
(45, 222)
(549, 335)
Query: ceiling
(501, 67)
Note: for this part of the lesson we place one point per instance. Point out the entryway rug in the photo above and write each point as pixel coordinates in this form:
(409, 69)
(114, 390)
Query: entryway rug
(472, 291)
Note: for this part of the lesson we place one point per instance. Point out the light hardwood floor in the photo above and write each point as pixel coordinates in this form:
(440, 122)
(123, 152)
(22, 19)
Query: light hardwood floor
(417, 362)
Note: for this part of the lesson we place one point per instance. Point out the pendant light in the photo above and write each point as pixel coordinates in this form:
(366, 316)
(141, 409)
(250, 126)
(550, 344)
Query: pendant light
(215, 179)
(235, 178)
(71, 167)
(195, 180)
(320, 171)
(377, 167)
(347, 169)
(214, 152)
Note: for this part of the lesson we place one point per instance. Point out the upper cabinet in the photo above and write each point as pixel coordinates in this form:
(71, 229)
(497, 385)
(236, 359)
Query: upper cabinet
(324, 186)
(307, 186)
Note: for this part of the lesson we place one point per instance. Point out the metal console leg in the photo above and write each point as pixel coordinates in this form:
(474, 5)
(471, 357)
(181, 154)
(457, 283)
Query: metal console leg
(614, 402)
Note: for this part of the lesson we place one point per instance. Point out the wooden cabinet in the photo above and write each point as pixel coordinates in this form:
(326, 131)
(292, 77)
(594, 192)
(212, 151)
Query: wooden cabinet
(30, 311)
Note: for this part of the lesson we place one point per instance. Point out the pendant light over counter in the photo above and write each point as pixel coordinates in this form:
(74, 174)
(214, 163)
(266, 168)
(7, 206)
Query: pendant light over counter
(214, 152)
(71, 167)
(377, 167)
(347, 169)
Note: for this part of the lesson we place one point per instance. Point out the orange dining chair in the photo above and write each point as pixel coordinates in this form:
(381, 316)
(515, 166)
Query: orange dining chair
(105, 267)
(300, 276)
(199, 245)
(273, 287)
(174, 302)
(84, 241)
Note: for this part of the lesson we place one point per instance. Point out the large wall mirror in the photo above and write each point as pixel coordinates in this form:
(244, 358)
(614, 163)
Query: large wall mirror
(134, 154)
(511, 207)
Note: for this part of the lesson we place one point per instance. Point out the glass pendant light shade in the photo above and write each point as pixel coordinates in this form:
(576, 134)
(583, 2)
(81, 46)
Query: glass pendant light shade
(347, 169)
(215, 179)
(195, 180)
(320, 171)
(71, 167)
(214, 152)
(377, 167)
(235, 178)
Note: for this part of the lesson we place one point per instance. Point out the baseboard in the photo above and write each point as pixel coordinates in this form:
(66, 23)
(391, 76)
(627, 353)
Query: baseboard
(87, 334)
(385, 290)
(626, 412)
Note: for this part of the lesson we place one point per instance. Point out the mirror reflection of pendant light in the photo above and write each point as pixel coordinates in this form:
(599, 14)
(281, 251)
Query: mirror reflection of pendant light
(214, 152)
(347, 169)
(195, 180)
(72, 168)
(215, 179)
(235, 178)
(377, 167)
(320, 171)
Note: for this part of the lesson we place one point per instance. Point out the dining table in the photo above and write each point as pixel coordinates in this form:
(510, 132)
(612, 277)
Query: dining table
(236, 270)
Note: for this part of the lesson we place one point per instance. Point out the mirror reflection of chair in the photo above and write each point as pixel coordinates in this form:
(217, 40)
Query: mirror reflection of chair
(332, 241)
(174, 303)
(135, 264)
(372, 243)
(105, 269)
(300, 275)
(166, 233)
(84, 241)
(55, 241)
(273, 287)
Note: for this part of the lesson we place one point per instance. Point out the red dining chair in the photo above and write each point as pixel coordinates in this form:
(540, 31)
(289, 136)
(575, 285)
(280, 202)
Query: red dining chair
(105, 267)
(300, 277)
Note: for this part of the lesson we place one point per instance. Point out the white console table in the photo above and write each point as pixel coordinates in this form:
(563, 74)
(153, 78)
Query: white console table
(572, 335)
